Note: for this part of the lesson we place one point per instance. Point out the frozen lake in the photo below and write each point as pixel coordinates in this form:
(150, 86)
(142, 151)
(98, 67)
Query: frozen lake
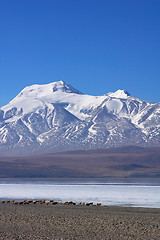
(138, 195)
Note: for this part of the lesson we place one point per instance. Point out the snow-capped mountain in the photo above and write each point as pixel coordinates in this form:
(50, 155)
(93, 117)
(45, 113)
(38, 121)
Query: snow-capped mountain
(57, 117)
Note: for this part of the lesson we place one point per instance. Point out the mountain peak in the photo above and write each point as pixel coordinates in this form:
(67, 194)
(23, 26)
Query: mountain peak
(37, 90)
(64, 87)
(119, 94)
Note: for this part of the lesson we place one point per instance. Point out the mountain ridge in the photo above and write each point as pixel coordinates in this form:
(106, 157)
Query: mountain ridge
(56, 116)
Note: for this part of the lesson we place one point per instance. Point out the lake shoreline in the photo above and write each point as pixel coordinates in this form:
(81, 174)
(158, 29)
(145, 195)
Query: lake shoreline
(84, 180)
(112, 194)
(41, 221)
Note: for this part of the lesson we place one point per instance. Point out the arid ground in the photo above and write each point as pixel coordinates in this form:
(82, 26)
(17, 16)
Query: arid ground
(40, 221)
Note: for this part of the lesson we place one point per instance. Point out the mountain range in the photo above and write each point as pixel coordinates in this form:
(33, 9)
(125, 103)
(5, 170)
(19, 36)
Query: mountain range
(56, 117)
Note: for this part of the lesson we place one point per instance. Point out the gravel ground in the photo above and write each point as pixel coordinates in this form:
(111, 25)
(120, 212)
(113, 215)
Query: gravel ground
(59, 222)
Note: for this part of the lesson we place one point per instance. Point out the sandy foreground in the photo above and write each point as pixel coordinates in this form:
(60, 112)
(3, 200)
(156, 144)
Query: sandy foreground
(41, 221)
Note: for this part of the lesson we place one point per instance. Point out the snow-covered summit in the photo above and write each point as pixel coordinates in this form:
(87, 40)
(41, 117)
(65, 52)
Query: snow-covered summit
(37, 96)
(119, 94)
(47, 89)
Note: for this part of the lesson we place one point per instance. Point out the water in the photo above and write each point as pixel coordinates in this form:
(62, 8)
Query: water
(138, 195)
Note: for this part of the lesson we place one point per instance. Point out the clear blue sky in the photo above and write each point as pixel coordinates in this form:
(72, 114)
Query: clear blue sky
(97, 46)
